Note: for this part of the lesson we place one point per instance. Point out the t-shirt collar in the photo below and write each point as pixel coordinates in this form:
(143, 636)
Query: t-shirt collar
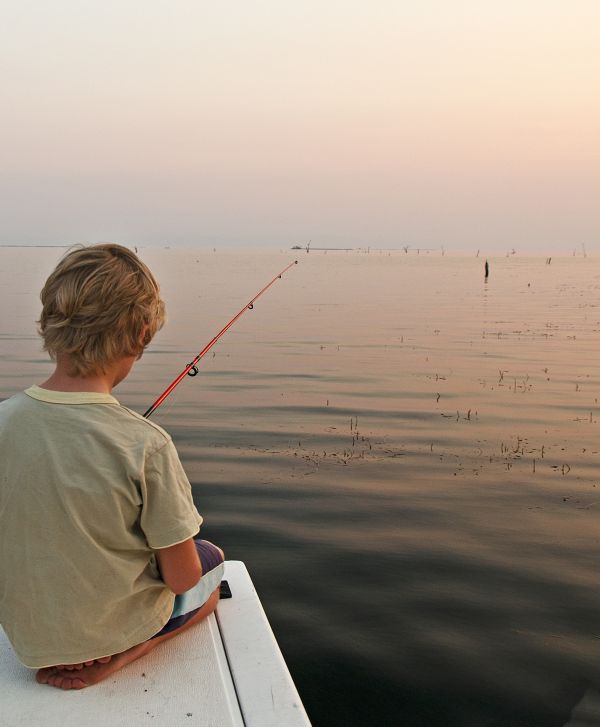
(69, 397)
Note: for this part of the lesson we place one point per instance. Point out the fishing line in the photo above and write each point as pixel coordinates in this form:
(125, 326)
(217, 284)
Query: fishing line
(192, 369)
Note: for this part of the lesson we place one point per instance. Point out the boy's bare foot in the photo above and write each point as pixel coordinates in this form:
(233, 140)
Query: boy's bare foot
(78, 676)
(47, 674)
(65, 678)
(71, 667)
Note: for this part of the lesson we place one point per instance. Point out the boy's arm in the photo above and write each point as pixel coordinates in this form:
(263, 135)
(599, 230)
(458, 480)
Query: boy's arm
(180, 566)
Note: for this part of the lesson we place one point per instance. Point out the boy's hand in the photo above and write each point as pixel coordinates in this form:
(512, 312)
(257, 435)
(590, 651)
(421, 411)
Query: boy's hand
(180, 566)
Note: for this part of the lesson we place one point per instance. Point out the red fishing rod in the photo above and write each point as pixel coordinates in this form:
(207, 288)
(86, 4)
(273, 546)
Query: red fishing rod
(191, 369)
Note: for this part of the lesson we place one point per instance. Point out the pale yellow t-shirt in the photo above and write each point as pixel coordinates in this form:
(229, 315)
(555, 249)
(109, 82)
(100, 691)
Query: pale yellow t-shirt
(88, 489)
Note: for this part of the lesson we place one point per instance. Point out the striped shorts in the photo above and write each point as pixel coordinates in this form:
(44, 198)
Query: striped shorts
(189, 603)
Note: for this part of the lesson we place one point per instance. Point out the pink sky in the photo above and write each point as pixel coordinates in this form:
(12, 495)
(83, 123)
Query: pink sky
(465, 124)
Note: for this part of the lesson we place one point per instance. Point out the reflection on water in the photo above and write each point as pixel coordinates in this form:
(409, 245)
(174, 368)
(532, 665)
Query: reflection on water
(587, 711)
(405, 456)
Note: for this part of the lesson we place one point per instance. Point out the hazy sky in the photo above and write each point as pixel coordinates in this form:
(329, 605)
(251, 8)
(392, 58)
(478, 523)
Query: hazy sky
(463, 123)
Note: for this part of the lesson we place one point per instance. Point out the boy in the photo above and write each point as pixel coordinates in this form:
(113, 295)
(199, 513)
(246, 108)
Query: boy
(96, 513)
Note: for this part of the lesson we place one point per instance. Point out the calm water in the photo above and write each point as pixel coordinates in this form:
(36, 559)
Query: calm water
(406, 458)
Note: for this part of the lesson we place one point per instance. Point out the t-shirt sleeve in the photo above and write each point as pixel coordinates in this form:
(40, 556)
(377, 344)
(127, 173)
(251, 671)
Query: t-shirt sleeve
(169, 515)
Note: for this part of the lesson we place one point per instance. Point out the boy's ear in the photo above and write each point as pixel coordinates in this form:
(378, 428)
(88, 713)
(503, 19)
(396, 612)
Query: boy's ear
(145, 336)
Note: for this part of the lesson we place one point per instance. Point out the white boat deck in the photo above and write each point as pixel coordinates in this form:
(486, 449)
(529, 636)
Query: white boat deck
(226, 671)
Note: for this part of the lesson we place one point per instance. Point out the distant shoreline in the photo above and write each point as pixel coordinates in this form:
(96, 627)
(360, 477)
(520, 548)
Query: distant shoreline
(424, 253)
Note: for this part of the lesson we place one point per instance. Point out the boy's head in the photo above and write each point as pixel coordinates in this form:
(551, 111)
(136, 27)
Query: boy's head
(101, 303)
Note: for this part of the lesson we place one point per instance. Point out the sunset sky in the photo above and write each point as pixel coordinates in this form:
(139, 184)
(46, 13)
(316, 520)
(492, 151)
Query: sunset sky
(462, 123)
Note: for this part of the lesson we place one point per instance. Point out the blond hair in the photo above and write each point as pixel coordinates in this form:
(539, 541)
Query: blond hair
(99, 304)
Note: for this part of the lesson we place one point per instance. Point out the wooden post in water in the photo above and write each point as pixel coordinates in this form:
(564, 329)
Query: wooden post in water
(487, 270)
